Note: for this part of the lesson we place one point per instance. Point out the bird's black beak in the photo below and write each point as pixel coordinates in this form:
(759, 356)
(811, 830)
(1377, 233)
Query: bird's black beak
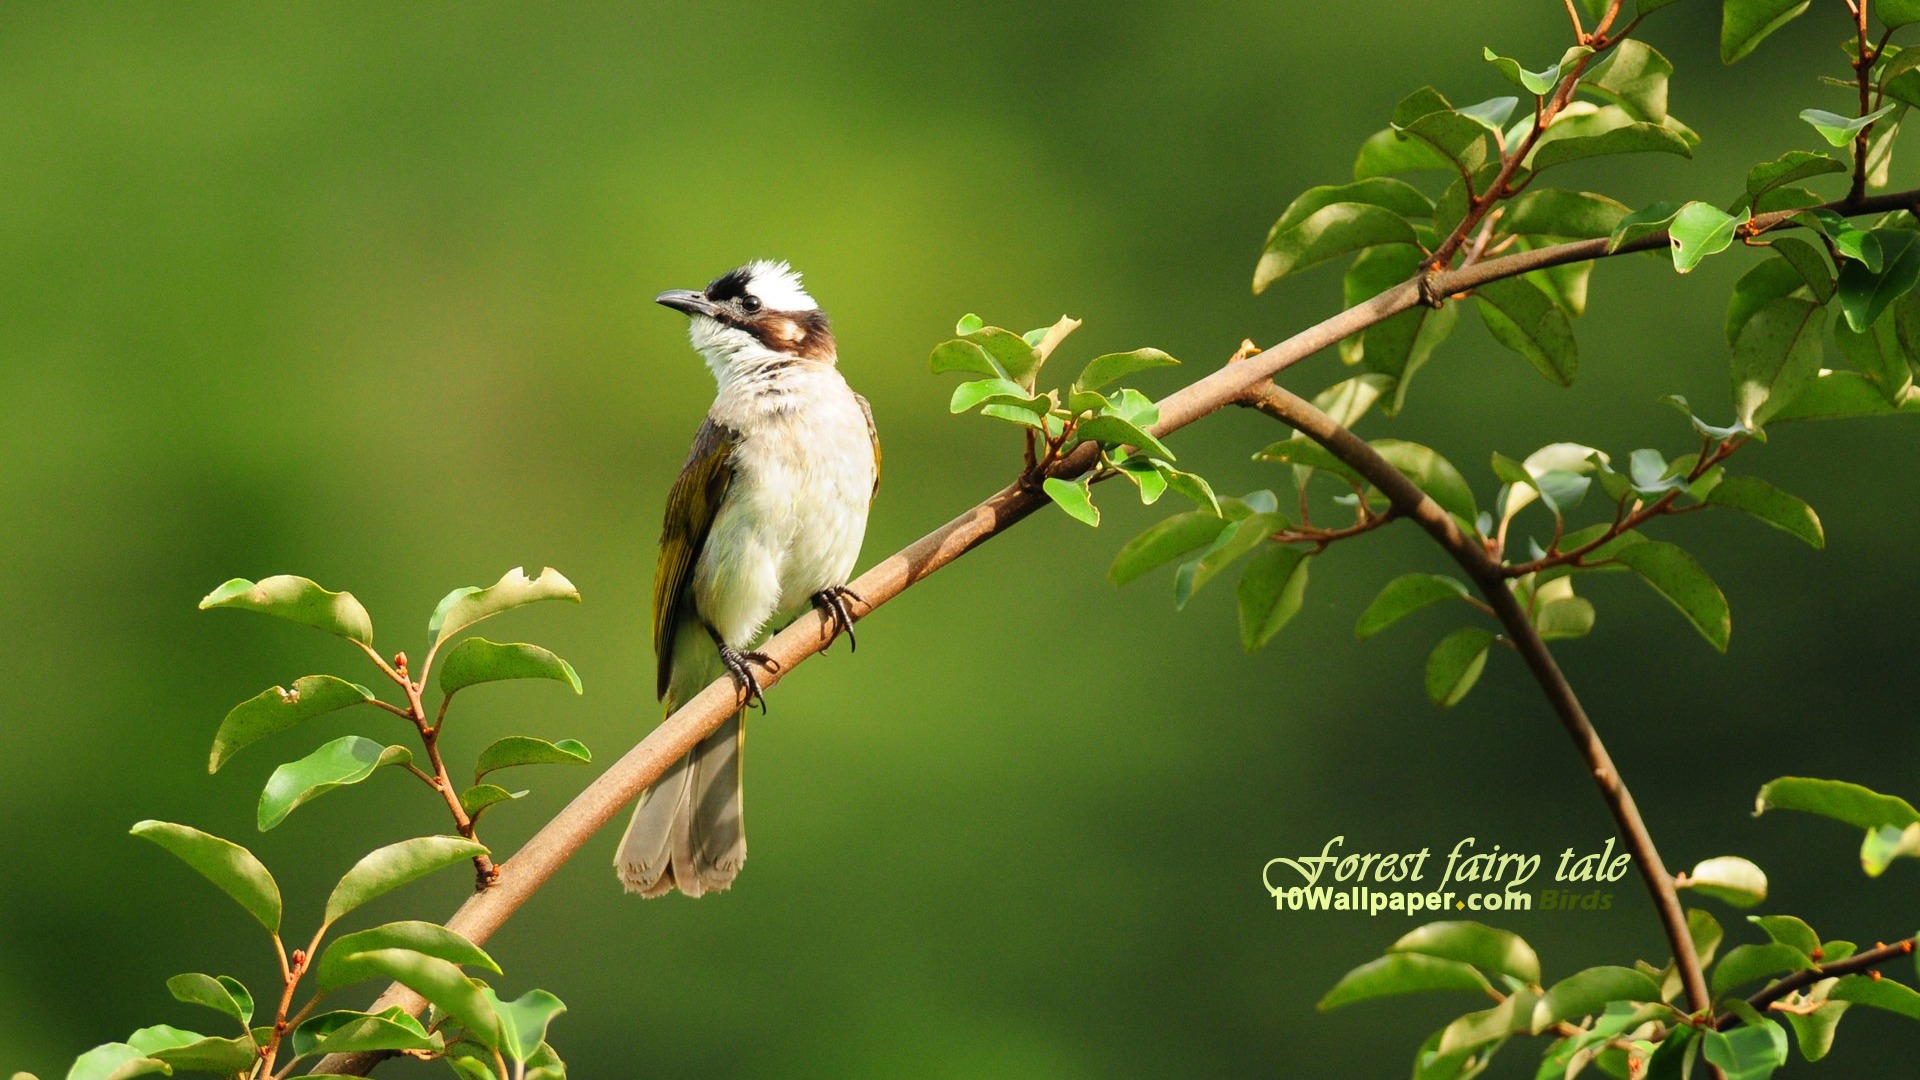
(686, 300)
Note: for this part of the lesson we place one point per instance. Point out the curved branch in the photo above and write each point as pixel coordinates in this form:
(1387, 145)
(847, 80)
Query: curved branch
(1858, 962)
(531, 866)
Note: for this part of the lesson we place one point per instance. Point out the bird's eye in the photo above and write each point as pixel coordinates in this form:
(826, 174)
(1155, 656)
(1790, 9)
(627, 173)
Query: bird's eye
(749, 304)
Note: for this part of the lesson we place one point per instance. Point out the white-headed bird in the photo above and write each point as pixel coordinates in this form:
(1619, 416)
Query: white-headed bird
(765, 519)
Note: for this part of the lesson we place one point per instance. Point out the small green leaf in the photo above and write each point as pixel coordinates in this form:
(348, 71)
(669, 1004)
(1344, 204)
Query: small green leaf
(1526, 320)
(477, 660)
(1499, 951)
(1048, 338)
(1745, 963)
(189, 1051)
(1564, 619)
(115, 1061)
(462, 608)
(1840, 130)
(297, 600)
(1115, 432)
(1102, 370)
(1388, 152)
(1010, 352)
(526, 750)
(1477, 1029)
(1164, 542)
(1193, 487)
(995, 391)
(228, 865)
(1589, 992)
(1270, 593)
(1328, 233)
(1860, 807)
(1771, 505)
(1239, 538)
(1790, 931)
(1776, 358)
(348, 1032)
(1602, 132)
(1633, 76)
(1748, 1052)
(1728, 878)
(1307, 454)
(1537, 83)
(1402, 973)
(481, 796)
(523, 1022)
(963, 356)
(338, 965)
(1815, 1030)
(1838, 395)
(1885, 844)
(390, 867)
(346, 760)
(1402, 597)
(277, 709)
(1864, 293)
(1555, 212)
(1878, 994)
(1455, 665)
(1699, 230)
(1790, 168)
(1880, 355)
(441, 983)
(1675, 575)
(1074, 497)
(1641, 224)
(1746, 23)
(969, 323)
(222, 994)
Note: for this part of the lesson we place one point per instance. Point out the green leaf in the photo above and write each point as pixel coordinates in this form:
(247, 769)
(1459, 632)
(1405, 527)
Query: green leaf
(1114, 432)
(1633, 76)
(1885, 844)
(1485, 947)
(1239, 538)
(115, 1061)
(1789, 931)
(222, 994)
(1814, 1030)
(1388, 152)
(1699, 230)
(1307, 454)
(1748, 1052)
(1554, 212)
(1589, 992)
(1776, 357)
(1840, 130)
(1104, 369)
(390, 867)
(1864, 294)
(1771, 505)
(1746, 23)
(1074, 497)
(1564, 619)
(1478, 1029)
(1434, 474)
(1455, 664)
(346, 760)
(1328, 233)
(1675, 575)
(277, 709)
(477, 660)
(1398, 346)
(1011, 354)
(1860, 807)
(1537, 83)
(1402, 973)
(1048, 338)
(1880, 355)
(339, 965)
(348, 1032)
(297, 600)
(969, 323)
(189, 1051)
(481, 796)
(523, 1022)
(1526, 320)
(1809, 263)
(1402, 597)
(526, 750)
(229, 866)
(1789, 168)
(1602, 132)
(441, 983)
(1144, 473)
(1745, 963)
(963, 356)
(1193, 487)
(1851, 240)
(1728, 878)
(1270, 592)
(1641, 224)
(995, 391)
(1459, 136)
(462, 608)
(1164, 542)
(1894, 14)
(1878, 994)
(1838, 395)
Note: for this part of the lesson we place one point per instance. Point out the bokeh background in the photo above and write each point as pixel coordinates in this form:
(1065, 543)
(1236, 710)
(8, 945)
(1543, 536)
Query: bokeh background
(362, 293)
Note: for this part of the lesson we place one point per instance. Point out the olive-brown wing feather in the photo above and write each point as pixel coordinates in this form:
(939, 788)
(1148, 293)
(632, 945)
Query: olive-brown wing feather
(691, 507)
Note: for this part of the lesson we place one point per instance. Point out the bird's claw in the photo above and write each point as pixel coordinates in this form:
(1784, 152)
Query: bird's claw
(832, 603)
(739, 665)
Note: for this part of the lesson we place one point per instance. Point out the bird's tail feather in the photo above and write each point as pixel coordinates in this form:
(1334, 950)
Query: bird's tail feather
(687, 831)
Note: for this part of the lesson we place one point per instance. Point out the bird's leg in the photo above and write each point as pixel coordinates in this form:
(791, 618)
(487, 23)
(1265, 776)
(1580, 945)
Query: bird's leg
(832, 603)
(739, 666)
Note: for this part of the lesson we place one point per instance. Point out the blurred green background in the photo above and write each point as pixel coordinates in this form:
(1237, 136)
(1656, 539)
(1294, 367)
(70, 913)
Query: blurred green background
(362, 293)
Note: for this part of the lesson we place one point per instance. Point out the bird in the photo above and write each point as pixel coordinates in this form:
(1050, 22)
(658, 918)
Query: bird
(765, 520)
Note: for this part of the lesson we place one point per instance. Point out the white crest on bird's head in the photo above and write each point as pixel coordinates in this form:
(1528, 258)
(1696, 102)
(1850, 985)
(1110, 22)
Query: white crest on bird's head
(771, 281)
(755, 320)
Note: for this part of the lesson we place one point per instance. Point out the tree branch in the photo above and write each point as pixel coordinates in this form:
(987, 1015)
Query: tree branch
(531, 866)
(1854, 964)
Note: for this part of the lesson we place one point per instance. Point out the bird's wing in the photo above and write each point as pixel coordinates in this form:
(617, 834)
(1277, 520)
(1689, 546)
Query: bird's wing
(874, 434)
(691, 508)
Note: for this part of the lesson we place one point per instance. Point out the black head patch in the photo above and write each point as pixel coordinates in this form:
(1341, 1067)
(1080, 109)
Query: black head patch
(731, 285)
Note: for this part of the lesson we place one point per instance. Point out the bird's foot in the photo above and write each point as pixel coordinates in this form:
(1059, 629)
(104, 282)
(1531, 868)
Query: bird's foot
(832, 603)
(739, 665)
